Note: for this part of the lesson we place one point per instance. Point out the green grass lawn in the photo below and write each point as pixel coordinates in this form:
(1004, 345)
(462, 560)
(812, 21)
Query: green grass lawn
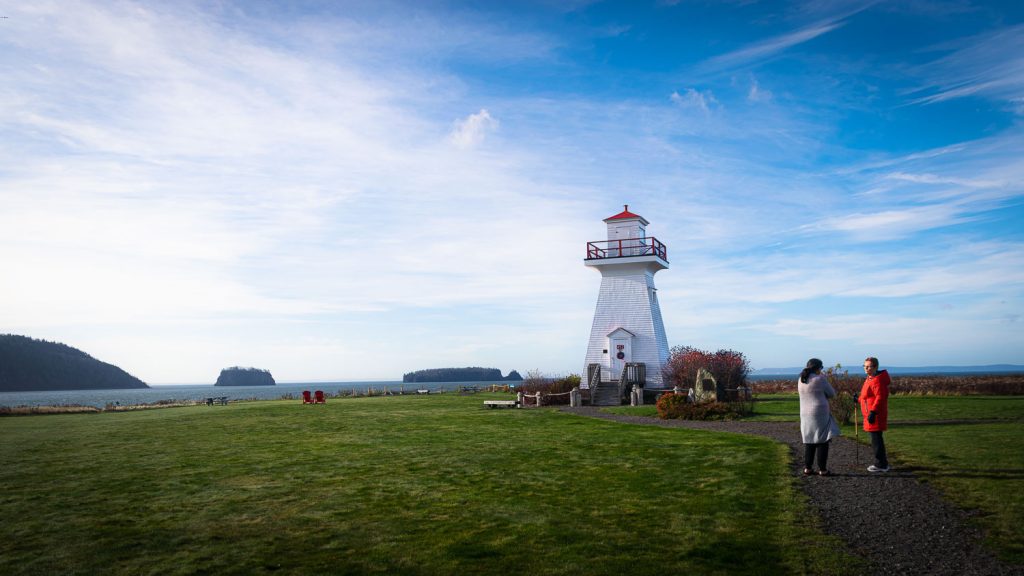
(414, 485)
(979, 464)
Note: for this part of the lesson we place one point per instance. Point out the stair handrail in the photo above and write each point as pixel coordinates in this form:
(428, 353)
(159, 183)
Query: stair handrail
(595, 380)
(622, 380)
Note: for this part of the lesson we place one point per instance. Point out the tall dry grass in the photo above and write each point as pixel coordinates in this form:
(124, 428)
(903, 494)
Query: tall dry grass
(931, 385)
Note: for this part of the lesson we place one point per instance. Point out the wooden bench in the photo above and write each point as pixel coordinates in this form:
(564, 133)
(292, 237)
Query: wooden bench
(501, 403)
(223, 400)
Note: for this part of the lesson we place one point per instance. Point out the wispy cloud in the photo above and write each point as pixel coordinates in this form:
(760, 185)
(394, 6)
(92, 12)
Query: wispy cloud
(172, 169)
(219, 184)
(758, 94)
(770, 47)
(936, 179)
(989, 65)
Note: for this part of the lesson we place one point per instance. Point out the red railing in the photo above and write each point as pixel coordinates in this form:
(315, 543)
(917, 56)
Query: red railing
(626, 248)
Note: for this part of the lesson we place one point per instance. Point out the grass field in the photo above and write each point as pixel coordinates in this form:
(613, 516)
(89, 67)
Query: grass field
(412, 485)
(970, 447)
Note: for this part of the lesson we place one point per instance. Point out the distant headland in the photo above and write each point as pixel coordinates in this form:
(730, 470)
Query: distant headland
(237, 376)
(472, 374)
(30, 365)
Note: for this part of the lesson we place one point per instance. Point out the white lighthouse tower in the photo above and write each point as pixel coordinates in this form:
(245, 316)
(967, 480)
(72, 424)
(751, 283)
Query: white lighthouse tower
(627, 345)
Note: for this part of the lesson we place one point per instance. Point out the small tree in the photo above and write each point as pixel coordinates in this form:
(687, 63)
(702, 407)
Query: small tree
(533, 381)
(729, 367)
(846, 387)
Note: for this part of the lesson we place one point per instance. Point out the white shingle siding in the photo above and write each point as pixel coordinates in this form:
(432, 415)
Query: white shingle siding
(629, 300)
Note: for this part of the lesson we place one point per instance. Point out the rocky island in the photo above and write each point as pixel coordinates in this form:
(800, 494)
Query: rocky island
(237, 376)
(30, 365)
(471, 374)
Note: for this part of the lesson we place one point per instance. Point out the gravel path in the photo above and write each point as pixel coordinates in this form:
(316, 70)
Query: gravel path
(908, 528)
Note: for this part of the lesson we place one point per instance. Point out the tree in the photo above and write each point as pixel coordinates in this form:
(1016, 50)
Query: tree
(729, 367)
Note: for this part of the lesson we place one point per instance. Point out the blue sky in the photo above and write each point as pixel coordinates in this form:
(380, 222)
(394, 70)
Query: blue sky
(353, 190)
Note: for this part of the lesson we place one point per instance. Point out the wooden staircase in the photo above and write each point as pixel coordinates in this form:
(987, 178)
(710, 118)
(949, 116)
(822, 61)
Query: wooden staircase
(611, 392)
(605, 394)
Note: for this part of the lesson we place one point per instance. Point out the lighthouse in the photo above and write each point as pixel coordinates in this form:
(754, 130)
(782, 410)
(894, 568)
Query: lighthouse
(628, 346)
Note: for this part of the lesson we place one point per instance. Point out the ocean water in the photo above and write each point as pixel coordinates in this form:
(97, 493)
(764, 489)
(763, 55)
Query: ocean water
(185, 392)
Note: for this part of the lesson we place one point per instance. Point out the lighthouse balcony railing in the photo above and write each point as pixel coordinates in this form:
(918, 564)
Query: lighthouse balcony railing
(599, 250)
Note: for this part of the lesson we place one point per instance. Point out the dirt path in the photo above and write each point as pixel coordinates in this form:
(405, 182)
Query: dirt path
(897, 524)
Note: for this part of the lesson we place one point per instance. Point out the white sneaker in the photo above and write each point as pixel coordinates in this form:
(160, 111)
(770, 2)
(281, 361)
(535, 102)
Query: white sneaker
(874, 468)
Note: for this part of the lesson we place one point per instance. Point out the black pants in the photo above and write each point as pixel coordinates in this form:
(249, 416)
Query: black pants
(821, 450)
(878, 445)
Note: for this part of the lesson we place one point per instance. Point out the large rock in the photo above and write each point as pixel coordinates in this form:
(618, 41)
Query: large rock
(237, 376)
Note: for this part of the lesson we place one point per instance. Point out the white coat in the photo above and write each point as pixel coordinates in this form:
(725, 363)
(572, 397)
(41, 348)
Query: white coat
(817, 425)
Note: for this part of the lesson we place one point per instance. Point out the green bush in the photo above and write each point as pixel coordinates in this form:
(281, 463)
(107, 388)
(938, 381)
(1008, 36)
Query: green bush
(676, 407)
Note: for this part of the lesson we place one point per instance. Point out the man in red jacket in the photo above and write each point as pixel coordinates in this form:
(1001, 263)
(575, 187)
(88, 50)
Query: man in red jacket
(874, 404)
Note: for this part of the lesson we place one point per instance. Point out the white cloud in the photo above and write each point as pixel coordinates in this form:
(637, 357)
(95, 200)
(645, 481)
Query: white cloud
(233, 190)
(758, 94)
(470, 132)
(690, 98)
(771, 46)
(989, 65)
(891, 224)
(936, 179)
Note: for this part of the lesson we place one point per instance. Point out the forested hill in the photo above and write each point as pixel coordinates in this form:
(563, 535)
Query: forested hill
(237, 376)
(474, 374)
(30, 365)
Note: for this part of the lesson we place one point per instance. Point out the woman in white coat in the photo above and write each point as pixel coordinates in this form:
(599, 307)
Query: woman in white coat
(817, 427)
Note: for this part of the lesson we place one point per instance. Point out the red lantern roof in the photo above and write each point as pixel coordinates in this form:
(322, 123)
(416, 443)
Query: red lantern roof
(626, 214)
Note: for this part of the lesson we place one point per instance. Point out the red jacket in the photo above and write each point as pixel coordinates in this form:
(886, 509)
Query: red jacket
(874, 397)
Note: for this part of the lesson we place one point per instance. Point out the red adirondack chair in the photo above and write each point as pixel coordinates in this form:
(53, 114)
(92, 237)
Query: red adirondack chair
(320, 397)
(306, 398)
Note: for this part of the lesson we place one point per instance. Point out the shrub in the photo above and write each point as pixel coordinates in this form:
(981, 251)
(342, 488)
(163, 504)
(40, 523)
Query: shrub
(670, 405)
(536, 382)
(729, 367)
(847, 387)
(676, 407)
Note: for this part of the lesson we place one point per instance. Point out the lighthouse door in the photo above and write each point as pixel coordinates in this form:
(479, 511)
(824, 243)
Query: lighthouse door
(621, 351)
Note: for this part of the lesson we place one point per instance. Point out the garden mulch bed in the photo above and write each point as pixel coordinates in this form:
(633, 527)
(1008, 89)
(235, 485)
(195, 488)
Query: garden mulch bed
(894, 522)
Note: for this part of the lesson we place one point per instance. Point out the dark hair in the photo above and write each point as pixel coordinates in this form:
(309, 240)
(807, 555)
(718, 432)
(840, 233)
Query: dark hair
(873, 360)
(813, 367)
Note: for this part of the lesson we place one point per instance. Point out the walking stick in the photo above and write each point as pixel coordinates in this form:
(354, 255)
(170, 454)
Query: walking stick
(856, 432)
